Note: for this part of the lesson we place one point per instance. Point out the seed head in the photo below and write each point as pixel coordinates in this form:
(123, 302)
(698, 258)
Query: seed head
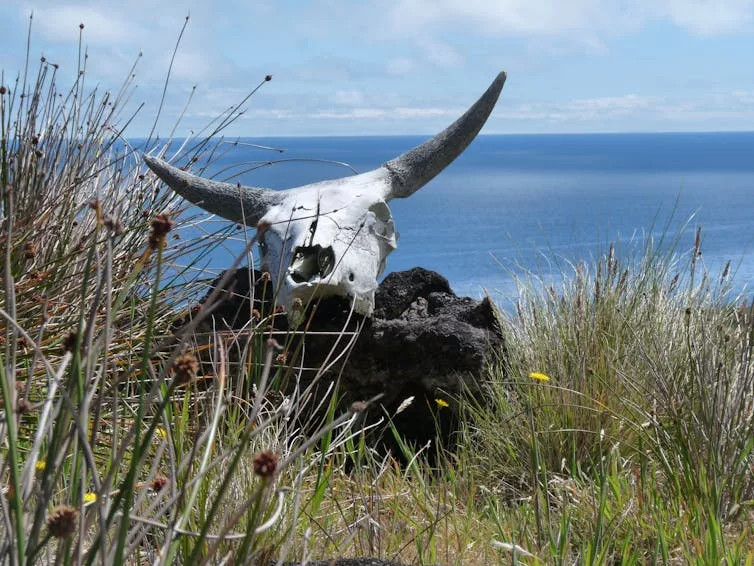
(61, 522)
(265, 463)
(358, 407)
(30, 250)
(268, 78)
(185, 368)
(23, 406)
(115, 225)
(69, 342)
(161, 225)
(158, 483)
(3, 90)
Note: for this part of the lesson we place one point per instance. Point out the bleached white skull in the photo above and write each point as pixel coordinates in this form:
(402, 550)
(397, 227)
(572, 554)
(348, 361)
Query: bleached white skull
(333, 237)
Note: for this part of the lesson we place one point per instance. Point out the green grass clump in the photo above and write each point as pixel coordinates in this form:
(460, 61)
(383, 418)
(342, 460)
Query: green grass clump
(117, 444)
(627, 410)
(617, 426)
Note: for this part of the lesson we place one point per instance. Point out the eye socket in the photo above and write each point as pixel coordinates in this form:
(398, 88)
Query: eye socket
(351, 276)
(311, 261)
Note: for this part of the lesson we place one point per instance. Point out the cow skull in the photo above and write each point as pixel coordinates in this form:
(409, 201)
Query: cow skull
(332, 237)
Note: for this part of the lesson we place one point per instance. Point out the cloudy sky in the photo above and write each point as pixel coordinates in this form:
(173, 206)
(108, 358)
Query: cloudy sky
(406, 66)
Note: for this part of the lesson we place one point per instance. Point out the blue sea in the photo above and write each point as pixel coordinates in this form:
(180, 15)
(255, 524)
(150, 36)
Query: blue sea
(517, 204)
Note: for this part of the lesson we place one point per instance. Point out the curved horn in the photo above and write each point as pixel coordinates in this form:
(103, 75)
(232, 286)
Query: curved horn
(417, 167)
(234, 202)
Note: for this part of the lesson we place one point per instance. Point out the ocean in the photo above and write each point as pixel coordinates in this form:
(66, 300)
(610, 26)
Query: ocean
(518, 204)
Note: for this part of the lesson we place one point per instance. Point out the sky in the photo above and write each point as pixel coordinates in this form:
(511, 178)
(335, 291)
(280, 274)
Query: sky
(403, 66)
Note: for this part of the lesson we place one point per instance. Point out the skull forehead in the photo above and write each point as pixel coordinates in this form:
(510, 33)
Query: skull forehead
(304, 208)
(345, 220)
(355, 193)
(334, 208)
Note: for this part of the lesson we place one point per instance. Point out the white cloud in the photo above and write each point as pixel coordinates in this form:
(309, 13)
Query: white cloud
(581, 20)
(387, 113)
(732, 111)
(61, 22)
(428, 112)
(585, 109)
(356, 113)
(369, 70)
(189, 65)
(350, 97)
(711, 17)
(743, 97)
(440, 54)
(400, 66)
(521, 17)
(611, 104)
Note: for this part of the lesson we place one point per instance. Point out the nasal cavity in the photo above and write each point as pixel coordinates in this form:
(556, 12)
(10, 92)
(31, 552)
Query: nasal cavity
(311, 261)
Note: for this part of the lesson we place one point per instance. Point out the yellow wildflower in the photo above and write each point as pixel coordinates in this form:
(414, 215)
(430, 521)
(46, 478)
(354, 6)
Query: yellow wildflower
(442, 403)
(539, 376)
(161, 432)
(40, 466)
(90, 497)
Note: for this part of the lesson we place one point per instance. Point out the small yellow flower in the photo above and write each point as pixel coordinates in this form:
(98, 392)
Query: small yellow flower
(40, 466)
(539, 376)
(442, 403)
(161, 432)
(90, 497)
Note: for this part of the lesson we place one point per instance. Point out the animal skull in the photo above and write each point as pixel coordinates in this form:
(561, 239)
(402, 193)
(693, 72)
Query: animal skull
(332, 237)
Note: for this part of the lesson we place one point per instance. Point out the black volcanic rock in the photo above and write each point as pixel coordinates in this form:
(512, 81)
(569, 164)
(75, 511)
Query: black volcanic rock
(423, 341)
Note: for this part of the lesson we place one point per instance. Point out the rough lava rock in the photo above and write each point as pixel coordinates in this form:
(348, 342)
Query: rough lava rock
(423, 341)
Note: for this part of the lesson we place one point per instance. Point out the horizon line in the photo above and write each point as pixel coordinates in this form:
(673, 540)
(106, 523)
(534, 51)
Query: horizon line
(480, 135)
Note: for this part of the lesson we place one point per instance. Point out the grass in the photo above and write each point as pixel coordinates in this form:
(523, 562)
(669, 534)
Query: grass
(631, 443)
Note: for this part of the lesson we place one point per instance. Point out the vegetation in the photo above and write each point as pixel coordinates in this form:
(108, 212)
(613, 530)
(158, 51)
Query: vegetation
(618, 428)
